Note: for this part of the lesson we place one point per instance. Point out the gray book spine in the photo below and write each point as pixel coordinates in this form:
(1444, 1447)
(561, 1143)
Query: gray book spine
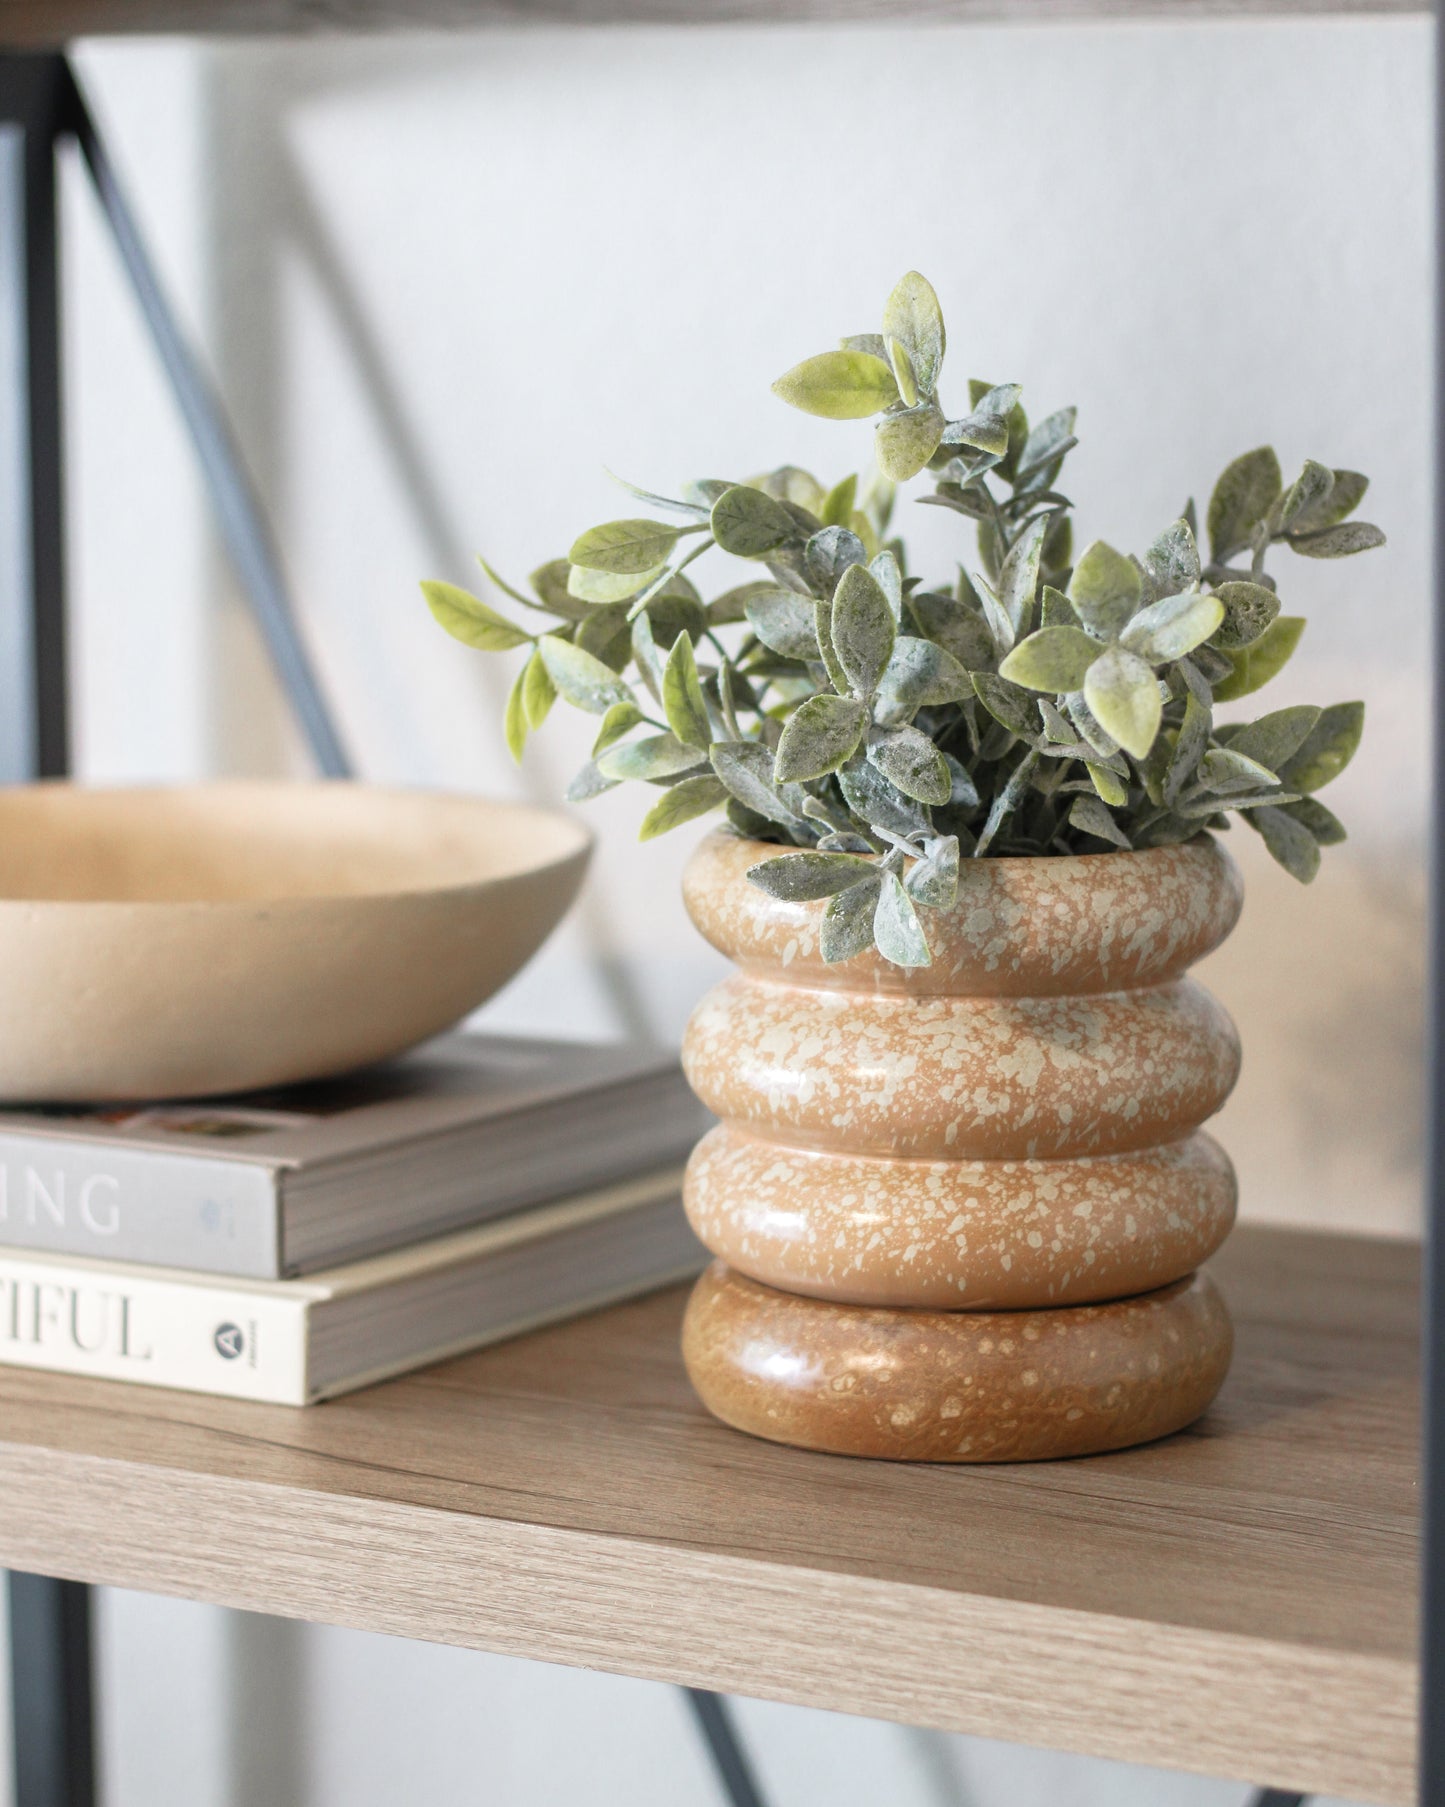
(121, 1204)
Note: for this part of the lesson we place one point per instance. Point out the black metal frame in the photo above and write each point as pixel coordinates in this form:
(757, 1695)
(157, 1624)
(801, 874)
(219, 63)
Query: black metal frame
(41, 105)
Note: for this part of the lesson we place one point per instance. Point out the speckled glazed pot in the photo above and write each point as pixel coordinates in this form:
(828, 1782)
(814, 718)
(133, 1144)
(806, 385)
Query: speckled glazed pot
(1013, 1128)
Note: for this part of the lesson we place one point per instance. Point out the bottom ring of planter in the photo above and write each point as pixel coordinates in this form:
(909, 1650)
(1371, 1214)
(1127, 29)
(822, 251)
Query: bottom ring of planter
(955, 1386)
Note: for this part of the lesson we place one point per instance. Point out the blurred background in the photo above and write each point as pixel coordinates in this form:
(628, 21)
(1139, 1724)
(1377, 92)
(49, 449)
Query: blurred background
(442, 282)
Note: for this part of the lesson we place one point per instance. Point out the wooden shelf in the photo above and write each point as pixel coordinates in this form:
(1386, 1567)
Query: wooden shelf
(1239, 1600)
(35, 23)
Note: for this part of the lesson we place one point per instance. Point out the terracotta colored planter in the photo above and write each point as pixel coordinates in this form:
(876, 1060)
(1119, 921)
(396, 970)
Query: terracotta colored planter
(1013, 1128)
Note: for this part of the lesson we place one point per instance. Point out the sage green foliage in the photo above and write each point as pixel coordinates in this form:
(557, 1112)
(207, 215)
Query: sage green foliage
(887, 730)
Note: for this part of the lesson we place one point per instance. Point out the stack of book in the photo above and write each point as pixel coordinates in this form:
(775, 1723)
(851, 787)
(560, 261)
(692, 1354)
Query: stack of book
(299, 1244)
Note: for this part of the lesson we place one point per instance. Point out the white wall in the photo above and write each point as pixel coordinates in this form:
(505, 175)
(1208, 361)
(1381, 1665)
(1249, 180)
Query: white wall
(444, 282)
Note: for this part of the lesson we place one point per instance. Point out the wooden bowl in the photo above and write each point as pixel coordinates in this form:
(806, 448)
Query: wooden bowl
(221, 937)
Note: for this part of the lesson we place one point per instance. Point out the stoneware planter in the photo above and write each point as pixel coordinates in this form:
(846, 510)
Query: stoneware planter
(959, 1210)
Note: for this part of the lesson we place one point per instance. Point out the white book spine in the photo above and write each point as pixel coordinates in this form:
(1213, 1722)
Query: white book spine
(200, 1336)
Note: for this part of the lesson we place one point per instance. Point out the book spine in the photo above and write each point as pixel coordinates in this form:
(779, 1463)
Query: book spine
(104, 1322)
(108, 1202)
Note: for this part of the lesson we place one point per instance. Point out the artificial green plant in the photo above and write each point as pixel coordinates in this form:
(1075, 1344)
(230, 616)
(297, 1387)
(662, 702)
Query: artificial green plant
(887, 729)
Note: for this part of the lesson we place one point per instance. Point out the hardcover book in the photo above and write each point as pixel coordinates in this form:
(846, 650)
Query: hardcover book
(462, 1130)
(296, 1341)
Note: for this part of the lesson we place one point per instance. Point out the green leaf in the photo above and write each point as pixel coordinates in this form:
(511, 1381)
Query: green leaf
(848, 921)
(1173, 560)
(896, 928)
(507, 589)
(1123, 694)
(1245, 493)
(550, 583)
(1105, 590)
(960, 630)
(749, 524)
(589, 783)
(1259, 662)
(682, 698)
(1275, 738)
(823, 633)
(1338, 542)
(1323, 824)
(538, 691)
(1309, 491)
(862, 628)
(1248, 611)
(982, 430)
(605, 634)
(468, 619)
(884, 569)
(620, 719)
(732, 605)
(783, 621)
(680, 803)
(1007, 703)
(625, 548)
(839, 385)
(746, 769)
(1189, 749)
(1289, 841)
(1109, 785)
(1223, 770)
(838, 508)
(919, 675)
(514, 718)
(906, 441)
(1055, 659)
(878, 803)
(584, 680)
(912, 315)
(1168, 629)
(818, 737)
(1327, 749)
(656, 756)
(912, 764)
(934, 881)
(901, 365)
(803, 877)
(1090, 815)
(1346, 492)
(608, 586)
(1055, 609)
(1049, 440)
(1018, 581)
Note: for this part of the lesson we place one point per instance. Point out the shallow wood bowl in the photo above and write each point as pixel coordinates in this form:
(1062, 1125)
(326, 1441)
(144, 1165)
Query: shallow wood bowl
(221, 937)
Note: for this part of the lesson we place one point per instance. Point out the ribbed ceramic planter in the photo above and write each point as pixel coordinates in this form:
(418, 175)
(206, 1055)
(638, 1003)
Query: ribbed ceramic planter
(1013, 1129)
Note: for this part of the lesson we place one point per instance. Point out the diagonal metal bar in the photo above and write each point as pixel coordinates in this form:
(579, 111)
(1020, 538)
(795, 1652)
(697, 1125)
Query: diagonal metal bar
(239, 515)
(729, 1759)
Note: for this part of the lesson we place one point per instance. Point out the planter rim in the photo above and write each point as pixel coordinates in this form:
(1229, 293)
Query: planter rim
(1012, 861)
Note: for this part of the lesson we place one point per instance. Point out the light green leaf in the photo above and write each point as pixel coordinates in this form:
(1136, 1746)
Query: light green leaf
(862, 628)
(884, 568)
(468, 619)
(749, 524)
(934, 881)
(514, 718)
(838, 508)
(912, 764)
(829, 553)
(1018, 581)
(1168, 629)
(550, 583)
(589, 783)
(1049, 441)
(680, 803)
(1223, 770)
(1123, 695)
(746, 768)
(823, 633)
(584, 680)
(1327, 749)
(608, 586)
(983, 430)
(682, 698)
(625, 548)
(1090, 815)
(1289, 841)
(1275, 738)
(1338, 542)
(1105, 590)
(1055, 609)
(959, 629)
(803, 877)
(620, 719)
(919, 675)
(1189, 748)
(818, 737)
(1173, 560)
(912, 315)
(848, 921)
(538, 691)
(732, 605)
(1245, 493)
(606, 636)
(1255, 665)
(906, 442)
(1007, 703)
(1248, 610)
(896, 928)
(1055, 659)
(1084, 719)
(902, 367)
(839, 385)
(783, 620)
(1108, 784)
(656, 756)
